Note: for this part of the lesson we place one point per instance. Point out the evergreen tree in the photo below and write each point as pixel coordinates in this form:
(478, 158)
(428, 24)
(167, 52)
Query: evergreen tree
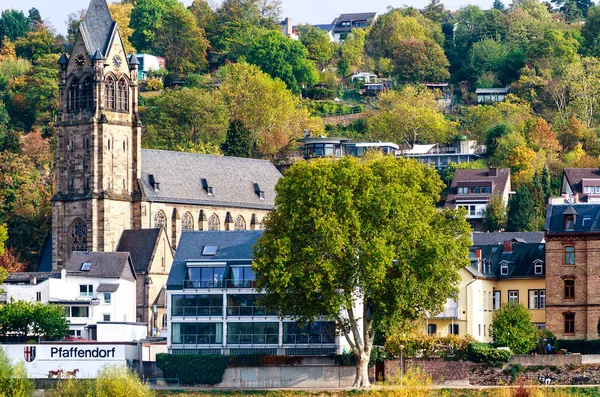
(521, 211)
(498, 5)
(495, 214)
(239, 142)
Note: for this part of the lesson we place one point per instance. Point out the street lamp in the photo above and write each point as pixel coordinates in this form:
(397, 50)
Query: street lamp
(401, 364)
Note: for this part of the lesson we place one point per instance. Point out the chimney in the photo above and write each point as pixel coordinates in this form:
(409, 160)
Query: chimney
(288, 27)
(493, 171)
(32, 279)
(478, 256)
(507, 246)
(576, 198)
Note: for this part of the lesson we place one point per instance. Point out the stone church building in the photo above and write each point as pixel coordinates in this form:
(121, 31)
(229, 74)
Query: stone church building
(107, 184)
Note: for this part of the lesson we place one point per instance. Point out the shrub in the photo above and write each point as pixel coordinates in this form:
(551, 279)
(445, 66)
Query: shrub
(193, 369)
(421, 345)
(112, 381)
(319, 93)
(13, 379)
(485, 353)
(261, 360)
(345, 359)
(154, 85)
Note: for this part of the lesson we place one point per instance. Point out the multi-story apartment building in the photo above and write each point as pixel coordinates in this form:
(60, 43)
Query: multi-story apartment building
(511, 271)
(572, 273)
(473, 190)
(212, 303)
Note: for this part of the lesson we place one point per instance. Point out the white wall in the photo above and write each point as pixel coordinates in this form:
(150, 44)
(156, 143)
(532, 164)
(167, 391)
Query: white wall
(110, 332)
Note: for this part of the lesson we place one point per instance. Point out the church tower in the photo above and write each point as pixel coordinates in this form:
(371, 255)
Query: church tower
(98, 134)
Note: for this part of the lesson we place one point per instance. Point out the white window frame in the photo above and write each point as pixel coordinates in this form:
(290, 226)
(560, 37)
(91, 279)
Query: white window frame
(104, 294)
(538, 267)
(38, 296)
(513, 296)
(89, 288)
(504, 268)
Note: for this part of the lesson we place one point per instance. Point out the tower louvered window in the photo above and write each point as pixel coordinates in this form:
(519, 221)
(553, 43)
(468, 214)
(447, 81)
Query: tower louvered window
(109, 94)
(122, 96)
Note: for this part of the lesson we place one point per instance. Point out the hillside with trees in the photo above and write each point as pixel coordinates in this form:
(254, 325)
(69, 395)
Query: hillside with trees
(245, 89)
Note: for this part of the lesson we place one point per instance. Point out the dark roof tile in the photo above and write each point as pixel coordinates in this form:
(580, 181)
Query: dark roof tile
(141, 244)
(97, 27)
(501, 237)
(104, 265)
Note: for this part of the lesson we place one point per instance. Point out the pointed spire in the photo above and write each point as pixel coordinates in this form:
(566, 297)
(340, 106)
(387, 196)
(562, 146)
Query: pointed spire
(97, 27)
(63, 60)
(133, 60)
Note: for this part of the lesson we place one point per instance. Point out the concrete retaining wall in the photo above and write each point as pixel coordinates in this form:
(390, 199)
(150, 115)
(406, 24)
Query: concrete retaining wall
(306, 376)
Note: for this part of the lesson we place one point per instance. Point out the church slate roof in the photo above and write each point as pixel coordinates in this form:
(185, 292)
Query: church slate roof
(233, 245)
(97, 27)
(104, 265)
(232, 179)
(141, 244)
(555, 218)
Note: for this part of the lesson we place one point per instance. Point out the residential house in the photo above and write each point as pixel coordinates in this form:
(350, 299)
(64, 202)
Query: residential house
(314, 147)
(149, 63)
(346, 22)
(491, 94)
(98, 291)
(287, 29)
(581, 185)
(473, 190)
(460, 151)
(572, 271)
(152, 257)
(511, 271)
(212, 309)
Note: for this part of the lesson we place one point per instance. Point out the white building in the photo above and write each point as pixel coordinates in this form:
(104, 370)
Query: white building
(98, 291)
(149, 63)
(211, 303)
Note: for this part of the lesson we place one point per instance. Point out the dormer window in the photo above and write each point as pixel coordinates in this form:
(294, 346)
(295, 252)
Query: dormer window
(86, 267)
(569, 222)
(208, 189)
(538, 267)
(259, 193)
(153, 182)
(463, 190)
(587, 221)
(504, 268)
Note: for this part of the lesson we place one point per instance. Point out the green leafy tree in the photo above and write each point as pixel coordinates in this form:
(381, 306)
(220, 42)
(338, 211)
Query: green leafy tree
(3, 238)
(494, 216)
(317, 42)
(352, 52)
(512, 328)
(278, 56)
(34, 17)
(420, 61)
(26, 319)
(521, 211)
(266, 107)
(182, 119)
(13, 24)
(348, 231)
(591, 32)
(435, 11)
(49, 321)
(13, 378)
(36, 44)
(146, 18)
(389, 30)
(411, 115)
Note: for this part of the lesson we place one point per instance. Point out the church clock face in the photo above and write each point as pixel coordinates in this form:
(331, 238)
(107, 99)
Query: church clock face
(117, 61)
(80, 61)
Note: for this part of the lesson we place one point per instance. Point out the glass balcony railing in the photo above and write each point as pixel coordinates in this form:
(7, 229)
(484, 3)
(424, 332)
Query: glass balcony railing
(253, 339)
(249, 311)
(197, 311)
(195, 339)
(230, 283)
(300, 339)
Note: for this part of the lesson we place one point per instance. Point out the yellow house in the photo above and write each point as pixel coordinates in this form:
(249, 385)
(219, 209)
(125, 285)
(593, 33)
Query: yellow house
(513, 271)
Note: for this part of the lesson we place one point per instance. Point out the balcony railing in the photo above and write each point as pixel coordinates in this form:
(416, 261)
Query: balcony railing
(207, 284)
(253, 339)
(197, 311)
(195, 339)
(299, 339)
(248, 311)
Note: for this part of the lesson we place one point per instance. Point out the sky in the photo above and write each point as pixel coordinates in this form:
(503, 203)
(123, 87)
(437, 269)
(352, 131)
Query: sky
(300, 11)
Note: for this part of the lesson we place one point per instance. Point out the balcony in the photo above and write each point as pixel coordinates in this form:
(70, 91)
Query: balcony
(198, 311)
(219, 284)
(197, 339)
(253, 339)
(304, 339)
(249, 311)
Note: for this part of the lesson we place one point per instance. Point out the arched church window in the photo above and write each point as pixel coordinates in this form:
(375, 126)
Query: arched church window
(122, 96)
(87, 94)
(240, 223)
(74, 94)
(213, 222)
(109, 93)
(160, 220)
(79, 236)
(187, 222)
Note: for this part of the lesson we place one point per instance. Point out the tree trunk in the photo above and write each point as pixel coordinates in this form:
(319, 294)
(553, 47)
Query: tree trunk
(362, 371)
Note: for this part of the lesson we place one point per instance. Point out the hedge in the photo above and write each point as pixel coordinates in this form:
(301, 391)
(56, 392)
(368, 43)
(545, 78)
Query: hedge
(198, 369)
(193, 369)
(579, 346)
(485, 353)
